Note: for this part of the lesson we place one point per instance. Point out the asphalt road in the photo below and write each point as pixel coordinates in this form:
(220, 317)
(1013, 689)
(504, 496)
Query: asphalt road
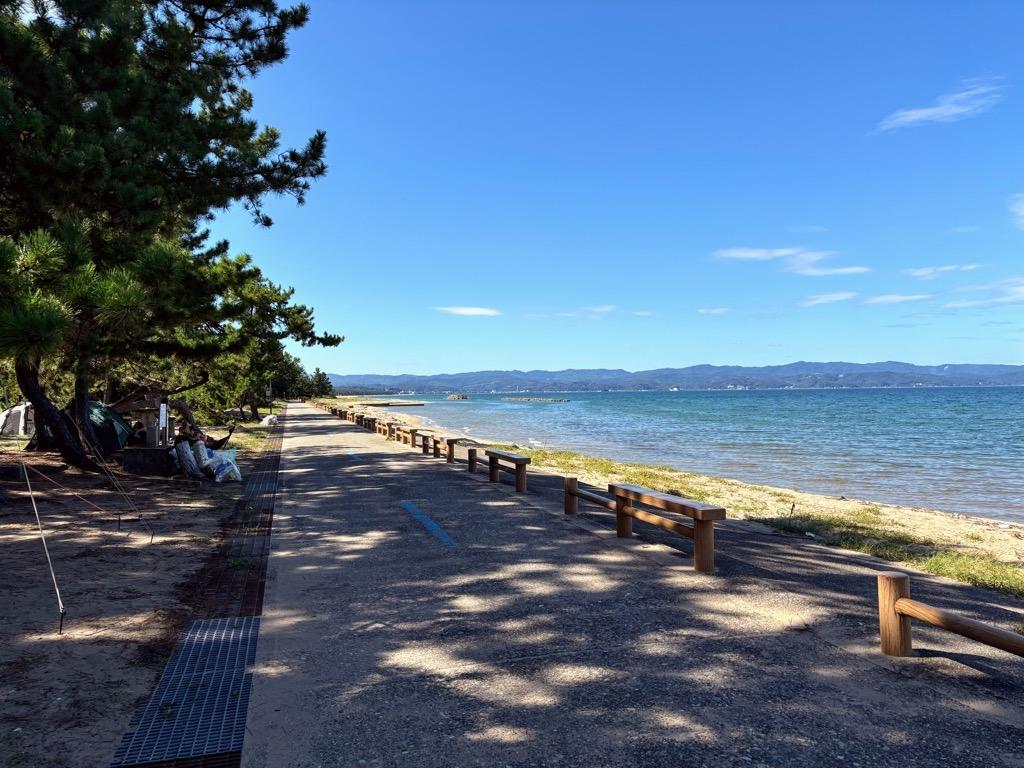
(417, 615)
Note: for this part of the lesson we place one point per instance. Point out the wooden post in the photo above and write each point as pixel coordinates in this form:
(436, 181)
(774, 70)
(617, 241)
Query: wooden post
(425, 444)
(492, 466)
(450, 453)
(520, 478)
(704, 546)
(437, 447)
(623, 522)
(572, 503)
(472, 459)
(893, 627)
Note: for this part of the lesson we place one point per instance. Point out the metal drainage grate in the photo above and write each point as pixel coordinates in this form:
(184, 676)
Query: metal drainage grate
(200, 703)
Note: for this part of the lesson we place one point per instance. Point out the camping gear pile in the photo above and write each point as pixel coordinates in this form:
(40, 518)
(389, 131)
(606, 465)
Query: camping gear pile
(199, 455)
(201, 462)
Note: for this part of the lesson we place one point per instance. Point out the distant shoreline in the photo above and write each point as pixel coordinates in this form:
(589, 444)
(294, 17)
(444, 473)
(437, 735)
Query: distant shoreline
(680, 390)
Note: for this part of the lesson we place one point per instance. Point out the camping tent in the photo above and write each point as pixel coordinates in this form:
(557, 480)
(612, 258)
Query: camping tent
(112, 431)
(17, 420)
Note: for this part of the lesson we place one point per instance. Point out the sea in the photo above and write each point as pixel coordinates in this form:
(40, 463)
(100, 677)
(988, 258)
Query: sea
(952, 449)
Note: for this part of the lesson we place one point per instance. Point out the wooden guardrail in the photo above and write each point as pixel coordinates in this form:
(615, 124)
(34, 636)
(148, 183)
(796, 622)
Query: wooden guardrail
(407, 435)
(624, 496)
(494, 459)
(896, 609)
(573, 494)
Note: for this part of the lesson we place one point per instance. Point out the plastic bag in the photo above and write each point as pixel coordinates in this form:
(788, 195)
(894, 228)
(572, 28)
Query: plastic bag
(269, 421)
(187, 460)
(226, 470)
(202, 453)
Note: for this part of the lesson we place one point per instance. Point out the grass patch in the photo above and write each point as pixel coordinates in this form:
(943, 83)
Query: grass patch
(860, 536)
(860, 532)
(976, 569)
(248, 439)
(665, 479)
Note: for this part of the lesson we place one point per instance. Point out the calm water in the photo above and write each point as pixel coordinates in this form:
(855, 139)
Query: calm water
(959, 450)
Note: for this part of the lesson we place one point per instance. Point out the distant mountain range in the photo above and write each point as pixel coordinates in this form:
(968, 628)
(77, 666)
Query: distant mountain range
(801, 375)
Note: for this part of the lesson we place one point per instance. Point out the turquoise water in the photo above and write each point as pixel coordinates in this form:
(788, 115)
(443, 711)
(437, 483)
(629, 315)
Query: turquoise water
(958, 450)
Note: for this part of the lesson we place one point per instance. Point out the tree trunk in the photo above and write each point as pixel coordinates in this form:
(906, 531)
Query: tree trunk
(184, 412)
(254, 407)
(80, 411)
(47, 413)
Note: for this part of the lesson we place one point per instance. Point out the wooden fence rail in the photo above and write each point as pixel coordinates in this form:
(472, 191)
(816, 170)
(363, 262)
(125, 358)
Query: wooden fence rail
(573, 494)
(625, 496)
(895, 610)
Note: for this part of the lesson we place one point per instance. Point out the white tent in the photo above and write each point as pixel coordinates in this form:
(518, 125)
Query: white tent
(18, 420)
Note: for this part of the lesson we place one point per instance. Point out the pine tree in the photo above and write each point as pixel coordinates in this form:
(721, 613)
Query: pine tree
(124, 125)
(321, 384)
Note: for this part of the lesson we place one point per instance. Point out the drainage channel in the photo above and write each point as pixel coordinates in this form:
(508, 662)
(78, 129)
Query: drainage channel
(196, 715)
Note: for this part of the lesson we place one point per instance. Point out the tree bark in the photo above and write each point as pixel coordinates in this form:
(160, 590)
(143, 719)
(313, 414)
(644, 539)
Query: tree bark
(48, 414)
(80, 411)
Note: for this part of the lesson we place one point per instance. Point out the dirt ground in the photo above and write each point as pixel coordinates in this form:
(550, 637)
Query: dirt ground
(66, 699)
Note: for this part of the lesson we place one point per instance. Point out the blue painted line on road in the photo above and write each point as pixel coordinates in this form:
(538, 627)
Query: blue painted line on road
(430, 525)
(354, 456)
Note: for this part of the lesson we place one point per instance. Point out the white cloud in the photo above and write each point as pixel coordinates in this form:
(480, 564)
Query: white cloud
(828, 298)
(590, 313)
(1008, 291)
(969, 98)
(799, 261)
(755, 254)
(643, 313)
(929, 273)
(964, 230)
(714, 311)
(469, 311)
(1017, 210)
(804, 263)
(897, 298)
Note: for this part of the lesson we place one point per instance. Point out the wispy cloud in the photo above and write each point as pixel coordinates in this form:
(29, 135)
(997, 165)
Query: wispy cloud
(755, 254)
(643, 313)
(930, 273)
(964, 230)
(799, 261)
(897, 298)
(828, 298)
(1008, 291)
(808, 229)
(806, 263)
(714, 311)
(1017, 210)
(469, 311)
(590, 313)
(969, 98)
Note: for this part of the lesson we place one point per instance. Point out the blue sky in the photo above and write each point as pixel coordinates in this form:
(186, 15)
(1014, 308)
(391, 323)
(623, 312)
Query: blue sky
(644, 184)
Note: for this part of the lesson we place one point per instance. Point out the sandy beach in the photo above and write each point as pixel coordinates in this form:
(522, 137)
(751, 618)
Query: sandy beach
(127, 560)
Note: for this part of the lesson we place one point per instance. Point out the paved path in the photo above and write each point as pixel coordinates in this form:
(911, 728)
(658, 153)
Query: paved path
(419, 616)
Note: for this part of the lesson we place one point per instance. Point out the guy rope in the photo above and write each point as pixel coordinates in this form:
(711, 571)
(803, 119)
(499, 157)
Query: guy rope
(46, 549)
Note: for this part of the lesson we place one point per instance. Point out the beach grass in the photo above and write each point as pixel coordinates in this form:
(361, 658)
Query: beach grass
(248, 438)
